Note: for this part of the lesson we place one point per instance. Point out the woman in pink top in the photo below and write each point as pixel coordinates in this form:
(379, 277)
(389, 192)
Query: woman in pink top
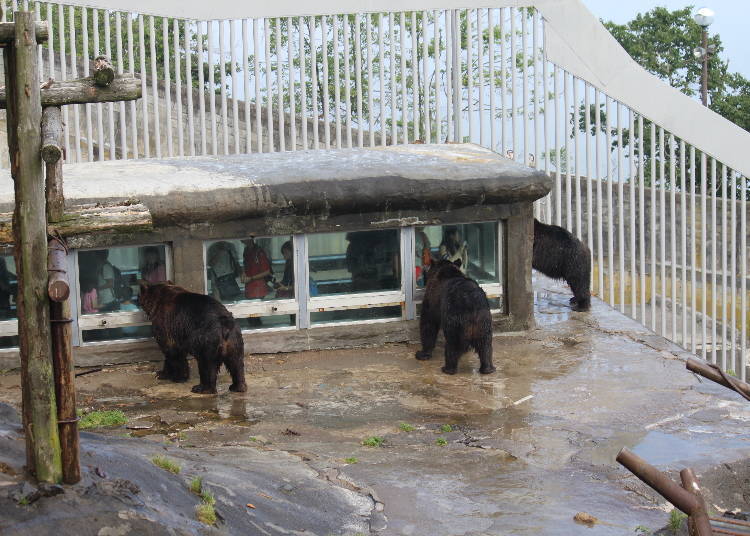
(89, 296)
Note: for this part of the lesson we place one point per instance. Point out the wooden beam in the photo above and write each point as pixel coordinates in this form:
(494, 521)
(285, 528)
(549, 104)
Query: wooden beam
(103, 71)
(83, 90)
(90, 219)
(30, 231)
(7, 32)
(52, 140)
(62, 359)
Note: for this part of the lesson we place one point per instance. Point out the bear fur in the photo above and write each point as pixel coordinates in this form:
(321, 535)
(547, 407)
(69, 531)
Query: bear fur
(183, 323)
(458, 304)
(560, 255)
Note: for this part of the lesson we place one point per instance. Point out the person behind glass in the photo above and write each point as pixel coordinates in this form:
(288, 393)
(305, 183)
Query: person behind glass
(105, 286)
(285, 288)
(257, 270)
(223, 270)
(153, 270)
(7, 289)
(452, 248)
(422, 254)
(89, 295)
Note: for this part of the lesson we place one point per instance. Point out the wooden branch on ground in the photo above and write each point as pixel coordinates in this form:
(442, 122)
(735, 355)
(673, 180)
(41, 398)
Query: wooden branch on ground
(7, 32)
(84, 90)
(90, 219)
(103, 71)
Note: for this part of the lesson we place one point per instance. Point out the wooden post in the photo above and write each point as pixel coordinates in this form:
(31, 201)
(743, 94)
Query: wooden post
(40, 415)
(52, 140)
(62, 359)
(103, 71)
(83, 90)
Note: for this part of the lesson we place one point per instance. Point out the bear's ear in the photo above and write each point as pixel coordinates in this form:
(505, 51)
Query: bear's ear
(142, 284)
(457, 263)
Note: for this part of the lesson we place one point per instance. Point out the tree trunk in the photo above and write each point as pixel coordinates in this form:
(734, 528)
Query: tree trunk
(83, 90)
(31, 256)
(52, 140)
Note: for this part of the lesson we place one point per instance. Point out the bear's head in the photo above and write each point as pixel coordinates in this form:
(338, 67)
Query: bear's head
(444, 269)
(153, 294)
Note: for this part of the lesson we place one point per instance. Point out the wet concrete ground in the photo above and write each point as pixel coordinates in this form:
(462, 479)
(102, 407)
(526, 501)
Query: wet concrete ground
(528, 447)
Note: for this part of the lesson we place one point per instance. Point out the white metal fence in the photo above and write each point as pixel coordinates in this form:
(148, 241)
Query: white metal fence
(665, 221)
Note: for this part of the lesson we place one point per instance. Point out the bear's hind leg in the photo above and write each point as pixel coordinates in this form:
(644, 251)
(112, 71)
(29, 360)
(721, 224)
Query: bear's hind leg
(580, 285)
(428, 330)
(453, 351)
(484, 348)
(236, 366)
(208, 369)
(176, 367)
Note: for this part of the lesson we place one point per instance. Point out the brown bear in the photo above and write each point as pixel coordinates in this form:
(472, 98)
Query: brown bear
(458, 304)
(560, 255)
(183, 323)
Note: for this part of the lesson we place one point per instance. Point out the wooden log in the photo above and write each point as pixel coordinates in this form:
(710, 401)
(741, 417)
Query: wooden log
(83, 90)
(30, 231)
(90, 219)
(698, 522)
(58, 288)
(52, 140)
(62, 359)
(103, 71)
(7, 32)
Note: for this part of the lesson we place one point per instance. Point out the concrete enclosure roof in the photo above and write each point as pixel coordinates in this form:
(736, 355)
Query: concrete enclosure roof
(305, 183)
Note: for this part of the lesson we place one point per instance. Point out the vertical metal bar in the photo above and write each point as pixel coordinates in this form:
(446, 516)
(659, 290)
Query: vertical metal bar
(235, 85)
(392, 66)
(223, 82)
(381, 75)
(704, 265)
(212, 86)
(469, 75)
(178, 86)
(693, 259)
(548, 121)
(415, 86)
(610, 210)
(683, 242)
(642, 217)
(40, 57)
(144, 91)
(246, 83)
(491, 51)
(292, 83)
(535, 94)
(312, 28)
(370, 80)
(154, 85)
(167, 77)
(633, 278)
(408, 271)
(326, 97)
(269, 83)
(457, 72)
(258, 91)
(303, 82)
(589, 166)
(525, 81)
(599, 186)
(110, 105)
(480, 68)
(731, 199)
(347, 82)
(100, 106)
(653, 226)
(513, 69)
(404, 96)
(620, 209)
(568, 177)
(662, 232)
(503, 82)
(743, 278)
(64, 75)
(301, 279)
(449, 130)
(86, 61)
(438, 66)
(673, 234)
(358, 78)
(336, 81)
(131, 70)
(202, 87)
(724, 237)
(714, 267)
(189, 89)
(74, 74)
(279, 87)
(121, 104)
(558, 122)
(427, 101)
(576, 171)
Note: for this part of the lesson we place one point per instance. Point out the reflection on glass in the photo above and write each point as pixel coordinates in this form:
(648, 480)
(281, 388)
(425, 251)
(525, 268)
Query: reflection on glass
(9, 342)
(108, 278)
(355, 315)
(475, 244)
(267, 322)
(361, 261)
(8, 289)
(109, 334)
(255, 268)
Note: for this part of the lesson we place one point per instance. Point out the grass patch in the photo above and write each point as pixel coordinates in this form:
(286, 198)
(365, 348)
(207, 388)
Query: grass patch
(196, 485)
(166, 464)
(643, 531)
(251, 438)
(208, 498)
(441, 442)
(731, 372)
(205, 513)
(676, 519)
(406, 427)
(374, 441)
(446, 428)
(351, 460)
(98, 419)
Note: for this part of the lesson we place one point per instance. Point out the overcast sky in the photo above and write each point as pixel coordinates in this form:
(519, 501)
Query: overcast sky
(731, 22)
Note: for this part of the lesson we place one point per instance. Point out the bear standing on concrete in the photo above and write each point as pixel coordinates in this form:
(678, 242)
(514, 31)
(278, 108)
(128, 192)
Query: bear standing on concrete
(185, 323)
(560, 255)
(458, 305)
